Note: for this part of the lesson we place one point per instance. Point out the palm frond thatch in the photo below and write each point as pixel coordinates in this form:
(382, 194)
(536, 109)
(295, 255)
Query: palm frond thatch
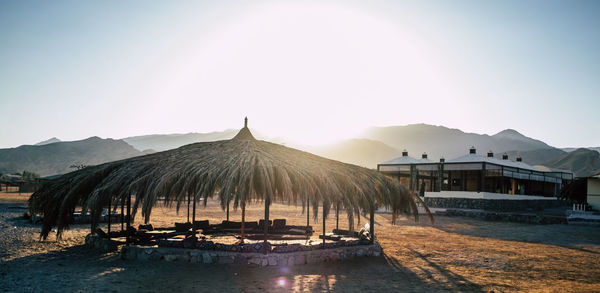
(239, 170)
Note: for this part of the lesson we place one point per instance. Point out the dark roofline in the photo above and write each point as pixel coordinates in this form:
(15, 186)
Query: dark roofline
(520, 170)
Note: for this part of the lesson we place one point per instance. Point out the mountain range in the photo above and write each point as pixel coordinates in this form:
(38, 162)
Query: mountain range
(363, 152)
(375, 145)
(163, 142)
(440, 141)
(582, 161)
(48, 141)
(589, 148)
(59, 157)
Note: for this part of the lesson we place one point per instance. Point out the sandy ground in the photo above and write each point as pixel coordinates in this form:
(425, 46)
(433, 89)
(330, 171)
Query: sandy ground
(455, 254)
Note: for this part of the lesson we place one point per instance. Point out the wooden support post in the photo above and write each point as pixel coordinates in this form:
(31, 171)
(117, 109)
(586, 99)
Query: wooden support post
(337, 216)
(122, 214)
(243, 220)
(188, 208)
(350, 222)
(109, 207)
(266, 222)
(372, 224)
(323, 224)
(307, 217)
(194, 216)
(128, 218)
(307, 213)
(227, 211)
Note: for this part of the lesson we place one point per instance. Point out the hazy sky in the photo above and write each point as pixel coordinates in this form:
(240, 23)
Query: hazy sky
(309, 71)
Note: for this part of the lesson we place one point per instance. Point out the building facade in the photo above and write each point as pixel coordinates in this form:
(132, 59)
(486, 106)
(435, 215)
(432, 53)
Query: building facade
(474, 173)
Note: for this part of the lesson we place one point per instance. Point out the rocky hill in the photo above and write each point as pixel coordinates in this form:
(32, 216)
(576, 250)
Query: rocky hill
(583, 162)
(163, 142)
(376, 145)
(362, 152)
(48, 141)
(57, 157)
(589, 148)
(440, 141)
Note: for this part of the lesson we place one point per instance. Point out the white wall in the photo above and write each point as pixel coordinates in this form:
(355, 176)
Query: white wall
(485, 195)
(593, 192)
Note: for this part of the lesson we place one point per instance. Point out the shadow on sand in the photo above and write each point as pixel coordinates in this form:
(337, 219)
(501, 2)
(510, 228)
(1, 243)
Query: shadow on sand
(568, 236)
(80, 269)
(453, 282)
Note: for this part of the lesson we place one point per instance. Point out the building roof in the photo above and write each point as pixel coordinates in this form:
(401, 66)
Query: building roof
(475, 158)
(11, 178)
(472, 157)
(405, 159)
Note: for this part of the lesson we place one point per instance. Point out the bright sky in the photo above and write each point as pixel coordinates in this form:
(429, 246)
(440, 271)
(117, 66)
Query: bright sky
(308, 71)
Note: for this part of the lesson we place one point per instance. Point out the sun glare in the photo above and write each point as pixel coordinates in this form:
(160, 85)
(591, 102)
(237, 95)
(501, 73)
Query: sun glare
(315, 69)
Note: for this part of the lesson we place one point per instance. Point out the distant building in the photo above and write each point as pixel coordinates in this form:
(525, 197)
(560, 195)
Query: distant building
(476, 177)
(584, 190)
(13, 180)
(10, 180)
(593, 191)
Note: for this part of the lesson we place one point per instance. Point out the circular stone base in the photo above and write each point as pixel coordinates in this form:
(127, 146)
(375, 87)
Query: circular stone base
(250, 258)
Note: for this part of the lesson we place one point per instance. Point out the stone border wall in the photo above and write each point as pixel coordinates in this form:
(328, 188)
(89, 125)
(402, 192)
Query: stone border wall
(257, 259)
(499, 205)
(103, 244)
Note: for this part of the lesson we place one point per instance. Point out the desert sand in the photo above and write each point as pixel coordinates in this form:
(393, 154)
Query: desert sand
(454, 254)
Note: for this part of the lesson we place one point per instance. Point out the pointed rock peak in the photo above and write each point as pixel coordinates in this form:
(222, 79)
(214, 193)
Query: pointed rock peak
(48, 141)
(244, 133)
(508, 132)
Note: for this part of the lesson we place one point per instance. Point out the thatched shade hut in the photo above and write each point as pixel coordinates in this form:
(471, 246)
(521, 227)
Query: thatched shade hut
(238, 170)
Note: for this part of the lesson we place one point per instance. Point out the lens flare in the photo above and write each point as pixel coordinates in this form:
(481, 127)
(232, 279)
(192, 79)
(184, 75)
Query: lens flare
(281, 282)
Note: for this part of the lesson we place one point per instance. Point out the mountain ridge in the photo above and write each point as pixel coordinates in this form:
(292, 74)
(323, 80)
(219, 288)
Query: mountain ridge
(570, 149)
(379, 144)
(48, 141)
(370, 152)
(441, 141)
(162, 142)
(58, 157)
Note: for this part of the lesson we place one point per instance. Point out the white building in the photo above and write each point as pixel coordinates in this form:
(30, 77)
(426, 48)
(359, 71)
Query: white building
(476, 176)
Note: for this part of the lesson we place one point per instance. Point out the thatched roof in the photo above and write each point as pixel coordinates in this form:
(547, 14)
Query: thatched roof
(238, 170)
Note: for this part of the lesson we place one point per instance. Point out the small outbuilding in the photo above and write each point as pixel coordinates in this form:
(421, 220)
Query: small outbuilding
(593, 191)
